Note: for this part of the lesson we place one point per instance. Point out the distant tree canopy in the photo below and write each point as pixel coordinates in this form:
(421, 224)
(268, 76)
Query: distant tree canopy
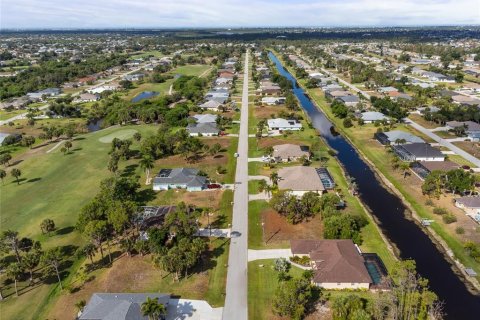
(53, 73)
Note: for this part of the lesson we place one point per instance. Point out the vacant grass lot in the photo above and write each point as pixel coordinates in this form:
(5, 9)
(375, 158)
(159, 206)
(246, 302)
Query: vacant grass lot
(262, 283)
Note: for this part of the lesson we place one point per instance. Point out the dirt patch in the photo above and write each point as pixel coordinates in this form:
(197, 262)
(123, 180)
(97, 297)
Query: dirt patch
(278, 230)
(126, 274)
(129, 274)
(266, 112)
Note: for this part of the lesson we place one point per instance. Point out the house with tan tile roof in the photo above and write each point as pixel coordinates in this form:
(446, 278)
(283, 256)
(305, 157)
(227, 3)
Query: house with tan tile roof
(337, 264)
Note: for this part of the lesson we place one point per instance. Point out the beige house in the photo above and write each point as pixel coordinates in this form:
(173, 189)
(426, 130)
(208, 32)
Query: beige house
(301, 179)
(337, 264)
(471, 205)
(289, 152)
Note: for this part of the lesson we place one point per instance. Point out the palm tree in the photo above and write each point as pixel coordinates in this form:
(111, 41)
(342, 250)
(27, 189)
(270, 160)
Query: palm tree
(274, 178)
(153, 309)
(147, 164)
(89, 251)
(14, 271)
(262, 185)
(405, 166)
(51, 260)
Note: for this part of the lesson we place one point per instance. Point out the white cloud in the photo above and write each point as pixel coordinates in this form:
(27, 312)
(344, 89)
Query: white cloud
(235, 13)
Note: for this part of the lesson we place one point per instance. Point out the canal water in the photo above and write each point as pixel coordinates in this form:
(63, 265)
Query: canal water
(389, 210)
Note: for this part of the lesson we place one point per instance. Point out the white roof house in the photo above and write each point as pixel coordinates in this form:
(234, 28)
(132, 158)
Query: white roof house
(372, 116)
(284, 124)
(273, 100)
(210, 105)
(205, 118)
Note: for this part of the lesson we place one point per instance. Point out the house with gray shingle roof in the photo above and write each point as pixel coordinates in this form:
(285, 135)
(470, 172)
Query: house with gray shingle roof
(179, 178)
(119, 306)
(397, 137)
(372, 116)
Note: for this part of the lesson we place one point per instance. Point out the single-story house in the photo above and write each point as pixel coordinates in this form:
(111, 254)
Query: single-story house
(271, 101)
(106, 87)
(331, 87)
(301, 179)
(148, 216)
(270, 90)
(387, 89)
(49, 92)
(472, 129)
(418, 152)
(119, 306)
(88, 97)
(16, 103)
(424, 168)
(465, 100)
(207, 129)
(284, 124)
(134, 76)
(290, 152)
(179, 178)
(397, 137)
(350, 100)
(372, 116)
(205, 118)
(471, 206)
(336, 93)
(223, 80)
(211, 105)
(336, 264)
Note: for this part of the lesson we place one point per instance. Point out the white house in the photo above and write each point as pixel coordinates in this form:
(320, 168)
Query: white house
(284, 124)
(372, 116)
(271, 101)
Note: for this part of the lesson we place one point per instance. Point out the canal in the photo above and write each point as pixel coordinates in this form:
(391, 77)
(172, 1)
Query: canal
(389, 211)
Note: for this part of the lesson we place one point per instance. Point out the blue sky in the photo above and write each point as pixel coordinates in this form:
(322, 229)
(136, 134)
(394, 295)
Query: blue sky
(234, 13)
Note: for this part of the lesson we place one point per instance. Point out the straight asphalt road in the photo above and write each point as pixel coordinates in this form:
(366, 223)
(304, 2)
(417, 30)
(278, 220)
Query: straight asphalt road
(236, 307)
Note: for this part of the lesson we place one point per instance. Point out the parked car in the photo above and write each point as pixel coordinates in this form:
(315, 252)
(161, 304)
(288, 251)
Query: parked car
(214, 186)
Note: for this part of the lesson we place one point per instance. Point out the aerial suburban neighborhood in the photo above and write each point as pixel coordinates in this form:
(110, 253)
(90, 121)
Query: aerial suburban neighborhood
(156, 166)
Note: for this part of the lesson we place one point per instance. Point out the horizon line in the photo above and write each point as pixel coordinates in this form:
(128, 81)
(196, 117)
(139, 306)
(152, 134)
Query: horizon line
(126, 28)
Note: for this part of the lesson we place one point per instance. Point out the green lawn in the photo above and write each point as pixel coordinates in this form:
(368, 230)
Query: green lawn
(192, 70)
(55, 186)
(4, 114)
(144, 54)
(262, 283)
(253, 186)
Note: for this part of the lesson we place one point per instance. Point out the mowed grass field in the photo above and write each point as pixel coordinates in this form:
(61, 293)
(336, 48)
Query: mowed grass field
(163, 88)
(262, 283)
(54, 186)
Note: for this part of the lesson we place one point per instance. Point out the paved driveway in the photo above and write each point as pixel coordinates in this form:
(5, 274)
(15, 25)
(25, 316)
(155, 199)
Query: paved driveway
(268, 254)
(182, 309)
